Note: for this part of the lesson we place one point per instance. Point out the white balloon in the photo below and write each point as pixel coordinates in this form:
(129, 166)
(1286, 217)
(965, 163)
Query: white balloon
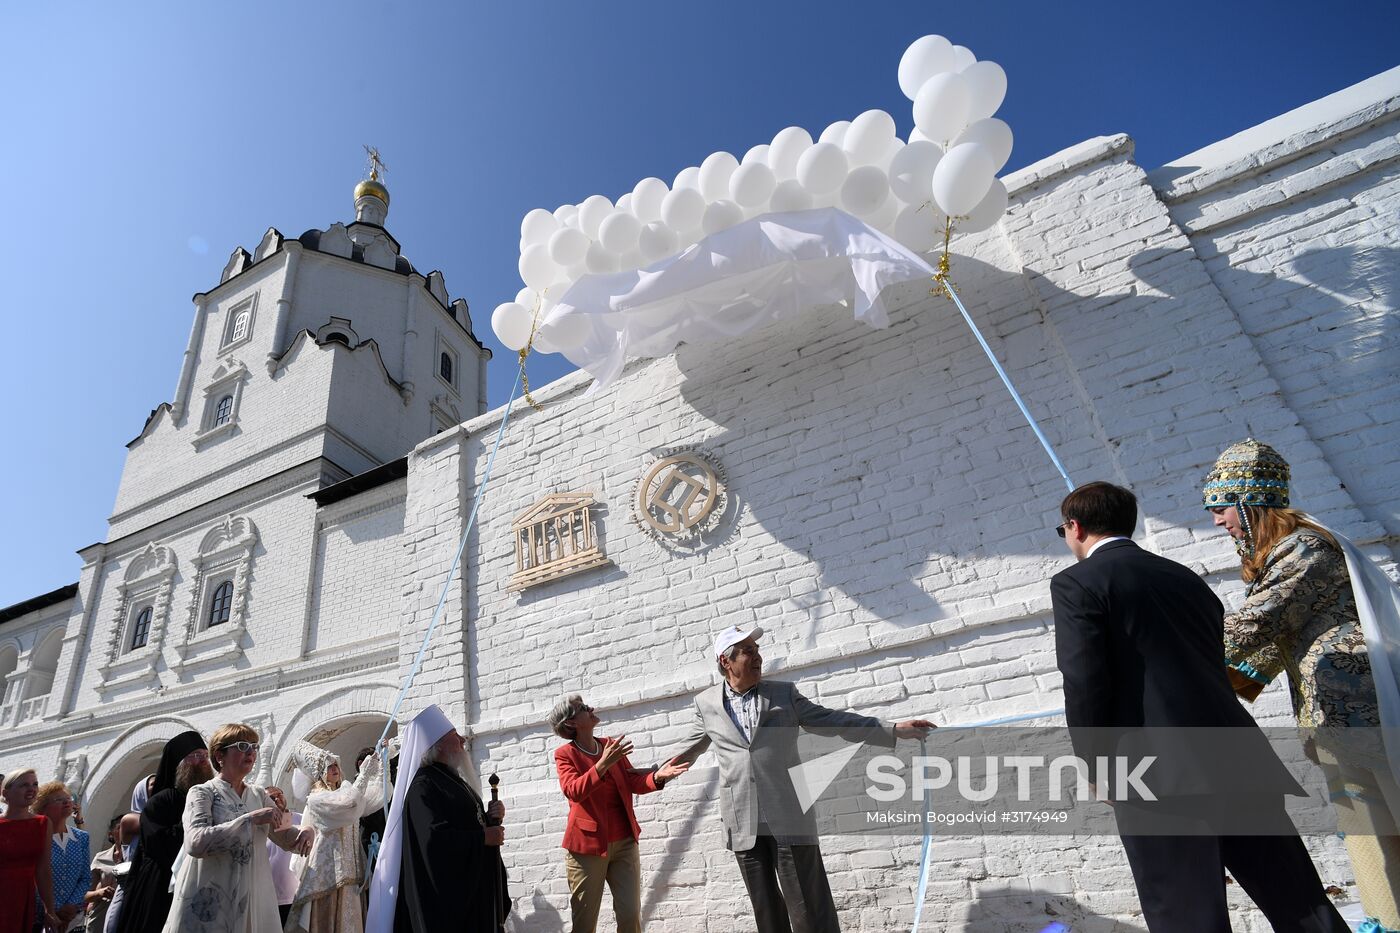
(911, 171)
(619, 232)
(787, 147)
(537, 226)
(572, 274)
(647, 197)
(540, 343)
(721, 215)
(591, 214)
(752, 185)
(919, 229)
(822, 168)
(714, 175)
(992, 133)
(687, 178)
(790, 196)
(624, 203)
(632, 259)
(567, 215)
(962, 58)
(536, 268)
(656, 241)
(599, 260)
(916, 135)
(527, 296)
(941, 106)
(988, 211)
(566, 332)
(758, 154)
(683, 209)
(512, 323)
(864, 191)
(835, 133)
(986, 83)
(868, 137)
(962, 177)
(884, 218)
(568, 246)
(923, 59)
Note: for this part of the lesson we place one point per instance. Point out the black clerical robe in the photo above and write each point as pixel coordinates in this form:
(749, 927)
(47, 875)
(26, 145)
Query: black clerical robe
(450, 878)
(146, 902)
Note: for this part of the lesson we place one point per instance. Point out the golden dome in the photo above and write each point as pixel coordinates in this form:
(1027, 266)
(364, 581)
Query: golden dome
(372, 186)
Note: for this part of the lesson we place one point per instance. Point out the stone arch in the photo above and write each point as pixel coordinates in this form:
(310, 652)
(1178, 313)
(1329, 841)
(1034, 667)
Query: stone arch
(9, 662)
(133, 754)
(339, 719)
(43, 663)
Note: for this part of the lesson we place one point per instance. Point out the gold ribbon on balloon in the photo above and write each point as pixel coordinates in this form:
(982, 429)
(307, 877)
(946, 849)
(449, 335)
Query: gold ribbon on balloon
(525, 351)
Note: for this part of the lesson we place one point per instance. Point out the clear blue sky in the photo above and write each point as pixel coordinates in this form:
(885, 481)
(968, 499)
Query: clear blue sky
(143, 142)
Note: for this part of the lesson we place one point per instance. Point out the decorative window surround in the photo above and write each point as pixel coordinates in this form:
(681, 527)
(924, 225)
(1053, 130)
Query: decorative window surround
(228, 380)
(445, 415)
(226, 553)
(327, 332)
(149, 580)
(445, 349)
(234, 335)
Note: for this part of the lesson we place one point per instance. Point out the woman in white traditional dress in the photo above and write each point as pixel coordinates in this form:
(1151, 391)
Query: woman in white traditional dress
(328, 898)
(225, 883)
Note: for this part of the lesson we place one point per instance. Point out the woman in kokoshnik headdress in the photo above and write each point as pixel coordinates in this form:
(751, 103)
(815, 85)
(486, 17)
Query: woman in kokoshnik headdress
(1318, 609)
(328, 897)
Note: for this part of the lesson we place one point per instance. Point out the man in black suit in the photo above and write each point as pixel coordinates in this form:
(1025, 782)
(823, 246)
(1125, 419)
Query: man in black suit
(1139, 640)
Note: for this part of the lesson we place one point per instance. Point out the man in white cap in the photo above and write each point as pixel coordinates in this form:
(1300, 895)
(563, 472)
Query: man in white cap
(439, 867)
(752, 725)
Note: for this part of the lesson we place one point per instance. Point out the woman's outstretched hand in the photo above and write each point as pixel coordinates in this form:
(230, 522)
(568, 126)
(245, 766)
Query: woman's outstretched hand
(673, 768)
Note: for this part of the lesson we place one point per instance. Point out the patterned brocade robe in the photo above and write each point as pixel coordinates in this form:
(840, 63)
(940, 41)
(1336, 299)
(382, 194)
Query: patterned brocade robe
(328, 898)
(225, 884)
(1299, 616)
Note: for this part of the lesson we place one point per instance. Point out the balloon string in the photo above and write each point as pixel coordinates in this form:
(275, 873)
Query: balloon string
(451, 574)
(525, 351)
(945, 288)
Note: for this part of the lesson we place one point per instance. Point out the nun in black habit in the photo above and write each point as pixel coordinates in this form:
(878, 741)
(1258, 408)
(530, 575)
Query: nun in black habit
(147, 899)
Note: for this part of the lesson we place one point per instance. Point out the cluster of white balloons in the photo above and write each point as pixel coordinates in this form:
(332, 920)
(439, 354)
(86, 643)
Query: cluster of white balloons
(907, 190)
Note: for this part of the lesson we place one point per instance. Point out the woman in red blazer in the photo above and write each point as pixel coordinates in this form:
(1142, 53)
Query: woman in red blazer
(601, 837)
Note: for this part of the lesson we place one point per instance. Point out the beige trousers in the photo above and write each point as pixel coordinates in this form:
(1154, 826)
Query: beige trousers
(1366, 801)
(621, 869)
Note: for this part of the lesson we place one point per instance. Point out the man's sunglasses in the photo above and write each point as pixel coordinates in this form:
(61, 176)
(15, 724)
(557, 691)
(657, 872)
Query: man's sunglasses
(1061, 529)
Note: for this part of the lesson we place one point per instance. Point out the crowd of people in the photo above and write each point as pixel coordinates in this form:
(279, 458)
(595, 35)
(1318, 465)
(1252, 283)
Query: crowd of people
(1141, 641)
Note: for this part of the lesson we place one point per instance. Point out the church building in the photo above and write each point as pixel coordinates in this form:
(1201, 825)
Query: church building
(286, 521)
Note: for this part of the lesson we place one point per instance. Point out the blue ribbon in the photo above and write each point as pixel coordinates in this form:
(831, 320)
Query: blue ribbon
(446, 588)
(1006, 380)
(926, 852)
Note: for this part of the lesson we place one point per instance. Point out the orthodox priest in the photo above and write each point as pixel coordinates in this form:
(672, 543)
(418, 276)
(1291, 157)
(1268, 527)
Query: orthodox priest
(440, 867)
(184, 762)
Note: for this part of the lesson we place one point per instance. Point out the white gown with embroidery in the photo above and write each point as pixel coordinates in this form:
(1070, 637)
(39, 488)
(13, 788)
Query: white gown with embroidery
(328, 899)
(225, 882)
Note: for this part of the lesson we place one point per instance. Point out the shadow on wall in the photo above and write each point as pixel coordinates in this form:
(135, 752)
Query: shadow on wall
(1009, 910)
(1337, 311)
(864, 451)
(543, 917)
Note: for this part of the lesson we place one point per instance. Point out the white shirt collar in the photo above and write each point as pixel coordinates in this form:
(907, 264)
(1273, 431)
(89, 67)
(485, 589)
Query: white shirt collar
(1102, 541)
(62, 839)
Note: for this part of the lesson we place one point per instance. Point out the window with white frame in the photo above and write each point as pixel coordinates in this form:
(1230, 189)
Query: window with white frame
(445, 367)
(218, 610)
(239, 325)
(141, 617)
(221, 400)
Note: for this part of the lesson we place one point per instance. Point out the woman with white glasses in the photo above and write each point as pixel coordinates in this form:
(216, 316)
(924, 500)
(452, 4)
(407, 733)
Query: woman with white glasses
(225, 883)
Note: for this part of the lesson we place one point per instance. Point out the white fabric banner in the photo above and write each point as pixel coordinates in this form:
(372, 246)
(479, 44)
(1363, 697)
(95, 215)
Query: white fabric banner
(771, 267)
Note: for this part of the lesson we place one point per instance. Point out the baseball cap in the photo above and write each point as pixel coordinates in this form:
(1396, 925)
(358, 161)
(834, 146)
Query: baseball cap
(733, 635)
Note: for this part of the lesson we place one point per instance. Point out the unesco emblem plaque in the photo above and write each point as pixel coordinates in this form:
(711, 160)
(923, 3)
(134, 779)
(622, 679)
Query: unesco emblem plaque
(681, 499)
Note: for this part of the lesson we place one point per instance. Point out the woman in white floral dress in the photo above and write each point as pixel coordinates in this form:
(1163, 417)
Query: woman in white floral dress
(225, 883)
(328, 898)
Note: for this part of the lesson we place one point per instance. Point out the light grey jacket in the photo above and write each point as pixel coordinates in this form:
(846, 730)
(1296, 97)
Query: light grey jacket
(754, 781)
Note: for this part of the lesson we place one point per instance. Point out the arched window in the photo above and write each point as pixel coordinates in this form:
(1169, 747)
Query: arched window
(336, 336)
(221, 604)
(224, 411)
(240, 324)
(445, 367)
(141, 629)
